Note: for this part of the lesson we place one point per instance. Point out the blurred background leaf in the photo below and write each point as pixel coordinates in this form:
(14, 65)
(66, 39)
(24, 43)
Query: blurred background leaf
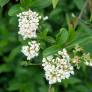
(54, 3)
(3, 2)
(15, 77)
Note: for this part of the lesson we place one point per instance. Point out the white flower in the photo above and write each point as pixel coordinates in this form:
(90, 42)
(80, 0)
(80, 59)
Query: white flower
(50, 57)
(45, 18)
(88, 63)
(64, 54)
(58, 67)
(28, 24)
(87, 59)
(77, 48)
(31, 50)
(76, 60)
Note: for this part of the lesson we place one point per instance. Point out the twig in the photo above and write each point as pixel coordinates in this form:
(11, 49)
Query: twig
(30, 64)
(49, 89)
(81, 13)
(36, 64)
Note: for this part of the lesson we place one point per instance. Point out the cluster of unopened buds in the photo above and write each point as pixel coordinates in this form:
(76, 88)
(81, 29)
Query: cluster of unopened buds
(58, 66)
(81, 57)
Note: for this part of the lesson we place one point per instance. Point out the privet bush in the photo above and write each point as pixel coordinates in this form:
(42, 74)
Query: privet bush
(45, 45)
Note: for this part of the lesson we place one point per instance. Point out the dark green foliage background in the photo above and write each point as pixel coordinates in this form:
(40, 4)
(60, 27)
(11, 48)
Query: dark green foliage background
(17, 78)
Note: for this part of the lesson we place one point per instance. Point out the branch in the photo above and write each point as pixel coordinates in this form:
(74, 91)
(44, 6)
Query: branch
(30, 64)
(81, 13)
(35, 64)
(49, 89)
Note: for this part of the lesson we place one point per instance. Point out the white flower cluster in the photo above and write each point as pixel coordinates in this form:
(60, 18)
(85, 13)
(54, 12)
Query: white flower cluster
(57, 67)
(31, 50)
(28, 24)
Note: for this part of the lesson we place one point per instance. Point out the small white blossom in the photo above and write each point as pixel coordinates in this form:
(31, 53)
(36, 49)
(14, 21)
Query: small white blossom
(58, 67)
(88, 63)
(28, 24)
(77, 48)
(45, 18)
(87, 59)
(73, 15)
(31, 50)
(64, 54)
(76, 60)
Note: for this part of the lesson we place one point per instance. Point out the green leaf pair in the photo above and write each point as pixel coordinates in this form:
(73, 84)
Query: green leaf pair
(61, 38)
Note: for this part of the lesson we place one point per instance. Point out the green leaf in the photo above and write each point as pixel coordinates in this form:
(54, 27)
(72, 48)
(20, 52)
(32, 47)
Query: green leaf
(79, 3)
(71, 81)
(81, 88)
(83, 41)
(62, 36)
(35, 4)
(41, 3)
(91, 17)
(4, 68)
(3, 2)
(54, 3)
(51, 50)
(42, 35)
(72, 33)
(14, 10)
(13, 54)
(14, 86)
(50, 39)
(82, 38)
(26, 3)
(86, 28)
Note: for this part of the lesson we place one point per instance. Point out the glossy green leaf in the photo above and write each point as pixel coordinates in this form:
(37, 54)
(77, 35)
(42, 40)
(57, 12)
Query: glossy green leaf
(14, 10)
(71, 81)
(62, 36)
(50, 39)
(40, 4)
(54, 3)
(79, 3)
(51, 50)
(71, 30)
(72, 33)
(4, 68)
(36, 4)
(83, 38)
(3, 2)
